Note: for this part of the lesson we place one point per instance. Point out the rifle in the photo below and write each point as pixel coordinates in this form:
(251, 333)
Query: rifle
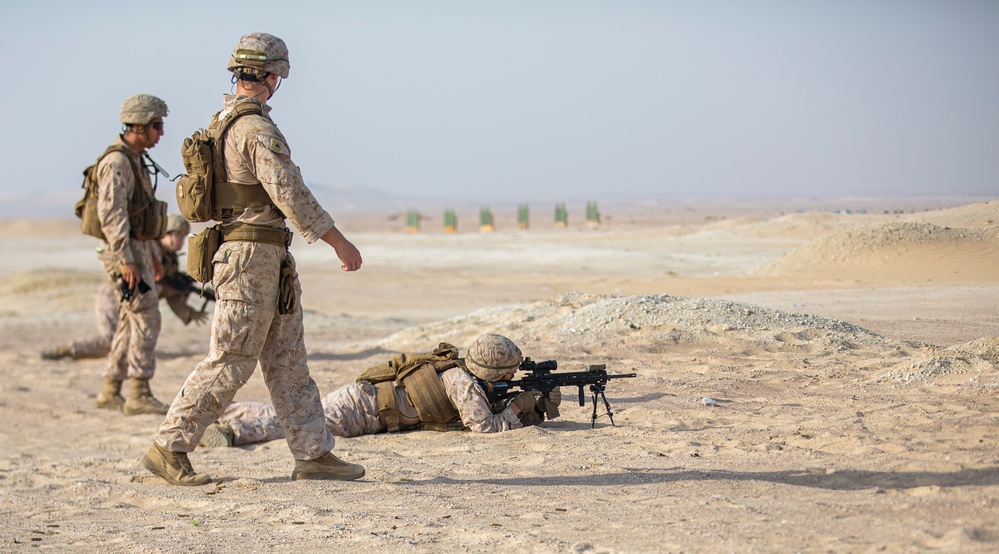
(543, 380)
(185, 283)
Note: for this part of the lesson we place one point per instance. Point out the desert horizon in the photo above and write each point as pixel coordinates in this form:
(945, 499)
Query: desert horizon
(851, 347)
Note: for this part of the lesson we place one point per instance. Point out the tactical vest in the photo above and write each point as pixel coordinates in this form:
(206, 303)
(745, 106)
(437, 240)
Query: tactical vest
(418, 374)
(204, 193)
(147, 216)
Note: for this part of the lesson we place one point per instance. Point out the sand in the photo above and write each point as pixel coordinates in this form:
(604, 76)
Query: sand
(851, 361)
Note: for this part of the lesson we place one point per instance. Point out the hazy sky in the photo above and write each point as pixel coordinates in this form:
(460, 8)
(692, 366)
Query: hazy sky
(532, 100)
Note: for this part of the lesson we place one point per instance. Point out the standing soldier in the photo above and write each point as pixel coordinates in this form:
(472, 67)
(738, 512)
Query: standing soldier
(98, 344)
(131, 220)
(258, 315)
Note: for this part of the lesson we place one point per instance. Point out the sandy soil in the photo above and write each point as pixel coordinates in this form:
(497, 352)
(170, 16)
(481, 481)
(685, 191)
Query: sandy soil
(853, 358)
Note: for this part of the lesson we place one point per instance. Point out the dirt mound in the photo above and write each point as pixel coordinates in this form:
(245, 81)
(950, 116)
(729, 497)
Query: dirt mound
(660, 328)
(974, 365)
(50, 291)
(651, 324)
(48, 281)
(53, 227)
(981, 214)
(796, 226)
(897, 250)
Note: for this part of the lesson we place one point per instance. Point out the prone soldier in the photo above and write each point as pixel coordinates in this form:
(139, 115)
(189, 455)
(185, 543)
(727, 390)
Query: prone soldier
(436, 391)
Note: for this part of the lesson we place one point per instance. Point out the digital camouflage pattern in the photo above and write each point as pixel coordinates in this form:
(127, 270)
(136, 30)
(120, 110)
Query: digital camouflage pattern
(352, 411)
(106, 309)
(257, 152)
(492, 356)
(99, 344)
(261, 51)
(176, 299)
(248, 329)
(134, 341)
(116, 184)
(140, 109)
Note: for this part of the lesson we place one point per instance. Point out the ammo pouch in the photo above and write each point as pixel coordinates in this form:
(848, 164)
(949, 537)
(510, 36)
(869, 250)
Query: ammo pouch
(149, 223)
(203, 193)
(388, 412)
(201, 249)
(86, 210)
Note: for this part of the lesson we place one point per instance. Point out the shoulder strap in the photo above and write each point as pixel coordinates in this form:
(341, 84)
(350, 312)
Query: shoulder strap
(221, 126)
(401, 364)
(90, 173)
(234, 196)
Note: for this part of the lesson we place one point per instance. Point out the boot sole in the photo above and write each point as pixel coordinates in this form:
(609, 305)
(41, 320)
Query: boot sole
(301, 476)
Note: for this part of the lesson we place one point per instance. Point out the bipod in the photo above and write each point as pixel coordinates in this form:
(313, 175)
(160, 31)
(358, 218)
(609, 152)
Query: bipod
(598, 390)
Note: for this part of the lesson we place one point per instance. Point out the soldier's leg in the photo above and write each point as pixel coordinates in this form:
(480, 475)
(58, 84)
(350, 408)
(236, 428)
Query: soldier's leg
(246, 289)
(117, 365)
(116, 368)
(252, 422)
(106, 309)
(144, 322)
(352, 411)
(144, 330)
(293, 391)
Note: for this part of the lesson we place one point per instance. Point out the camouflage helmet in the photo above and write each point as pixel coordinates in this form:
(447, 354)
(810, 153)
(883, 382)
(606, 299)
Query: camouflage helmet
(176, 223)
(140, 109)
(263, 52)
(492, 356)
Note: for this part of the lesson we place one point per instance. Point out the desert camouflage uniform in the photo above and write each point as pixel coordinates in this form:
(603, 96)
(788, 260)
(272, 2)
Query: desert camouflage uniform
(247, 328)
(352, 411)
(106, 307)
(176, 299)
(98, 345)
(134, 341)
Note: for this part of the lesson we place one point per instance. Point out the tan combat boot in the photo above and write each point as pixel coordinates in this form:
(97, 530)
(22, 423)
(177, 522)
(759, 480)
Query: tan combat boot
(57, 352)
(110, 397)
(141, 400)
(327, 466)
(173, 466)
(218, 436)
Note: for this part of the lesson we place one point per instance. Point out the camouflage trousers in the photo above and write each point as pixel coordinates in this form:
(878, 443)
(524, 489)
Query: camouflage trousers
(99, 344)
(248, 331)
(133, 346)
(350, 411)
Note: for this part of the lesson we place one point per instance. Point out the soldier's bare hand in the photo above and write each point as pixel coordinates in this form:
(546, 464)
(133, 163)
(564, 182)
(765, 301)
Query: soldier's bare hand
(130, 274)
(350, 256)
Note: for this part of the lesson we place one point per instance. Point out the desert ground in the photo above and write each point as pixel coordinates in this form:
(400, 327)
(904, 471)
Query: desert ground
(808, 380)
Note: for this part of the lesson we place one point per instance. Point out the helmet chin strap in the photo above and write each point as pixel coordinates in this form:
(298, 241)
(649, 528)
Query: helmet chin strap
(130, 128)
(251, 78)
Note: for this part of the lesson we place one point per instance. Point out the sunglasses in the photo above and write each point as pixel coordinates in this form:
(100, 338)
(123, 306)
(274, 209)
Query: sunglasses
(158, 125)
